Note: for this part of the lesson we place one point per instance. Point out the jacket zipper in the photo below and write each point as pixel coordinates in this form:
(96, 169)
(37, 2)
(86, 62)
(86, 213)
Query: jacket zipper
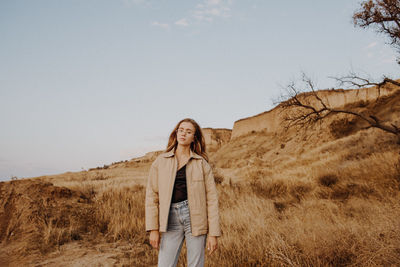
(188, 194)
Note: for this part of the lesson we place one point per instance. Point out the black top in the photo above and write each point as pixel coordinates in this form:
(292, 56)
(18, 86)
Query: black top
(180, 191)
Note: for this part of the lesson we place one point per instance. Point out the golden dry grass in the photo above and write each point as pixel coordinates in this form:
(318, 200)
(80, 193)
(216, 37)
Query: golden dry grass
(333, 205)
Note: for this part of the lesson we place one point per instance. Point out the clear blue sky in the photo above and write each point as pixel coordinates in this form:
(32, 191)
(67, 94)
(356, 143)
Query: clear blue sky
(89, 82)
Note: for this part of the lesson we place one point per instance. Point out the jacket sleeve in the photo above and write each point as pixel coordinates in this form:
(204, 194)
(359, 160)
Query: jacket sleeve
(151, 202)
(212, 201)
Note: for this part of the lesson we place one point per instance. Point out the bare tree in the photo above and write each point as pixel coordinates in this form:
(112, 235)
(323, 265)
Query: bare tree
(384, 15)
(304, 106)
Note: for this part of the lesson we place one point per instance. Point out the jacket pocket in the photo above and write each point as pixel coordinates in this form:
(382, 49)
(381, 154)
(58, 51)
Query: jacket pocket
(198, 177)
(197, 173)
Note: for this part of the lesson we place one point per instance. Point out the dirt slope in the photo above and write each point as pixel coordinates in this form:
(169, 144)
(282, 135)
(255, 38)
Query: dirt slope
(39, 216)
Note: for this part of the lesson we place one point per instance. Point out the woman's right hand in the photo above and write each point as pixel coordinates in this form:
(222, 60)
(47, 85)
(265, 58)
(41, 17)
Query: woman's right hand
(155, 238)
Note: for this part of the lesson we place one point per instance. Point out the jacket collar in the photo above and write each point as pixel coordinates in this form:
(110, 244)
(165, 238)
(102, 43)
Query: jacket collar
(172, 153)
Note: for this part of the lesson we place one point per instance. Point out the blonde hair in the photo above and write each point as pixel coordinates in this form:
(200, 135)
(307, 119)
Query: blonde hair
(198, 145)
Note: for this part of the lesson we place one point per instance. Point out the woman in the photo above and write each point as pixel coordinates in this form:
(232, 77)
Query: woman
(181, 198)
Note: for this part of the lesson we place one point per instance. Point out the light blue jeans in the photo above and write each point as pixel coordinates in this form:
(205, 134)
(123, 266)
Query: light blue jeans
(179, 228)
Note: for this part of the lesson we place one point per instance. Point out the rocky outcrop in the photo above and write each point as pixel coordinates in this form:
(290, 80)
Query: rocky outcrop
(216, 137)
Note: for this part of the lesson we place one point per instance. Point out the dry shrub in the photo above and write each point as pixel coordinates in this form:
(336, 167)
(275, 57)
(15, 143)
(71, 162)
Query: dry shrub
(343, 127)
(100, 176)
(358, 104)
(343, 191)
(328, 180)
(280, 189)
(270, 189)
(55, 235)
(280, 206)
(218, 177)
(87, 189)
(299, 190)
(352, 190)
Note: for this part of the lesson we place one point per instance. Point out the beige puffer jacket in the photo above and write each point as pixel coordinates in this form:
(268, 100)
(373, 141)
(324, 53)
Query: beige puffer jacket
(202, 194)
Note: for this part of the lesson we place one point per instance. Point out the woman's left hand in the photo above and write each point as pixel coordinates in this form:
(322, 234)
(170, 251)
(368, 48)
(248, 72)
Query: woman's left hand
(212, 244)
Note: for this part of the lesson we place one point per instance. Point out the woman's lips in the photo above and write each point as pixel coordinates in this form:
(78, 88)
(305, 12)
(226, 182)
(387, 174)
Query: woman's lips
(182, 139)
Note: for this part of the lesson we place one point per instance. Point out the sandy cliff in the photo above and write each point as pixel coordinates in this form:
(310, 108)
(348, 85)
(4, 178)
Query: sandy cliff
(216, 137)
(271, 121)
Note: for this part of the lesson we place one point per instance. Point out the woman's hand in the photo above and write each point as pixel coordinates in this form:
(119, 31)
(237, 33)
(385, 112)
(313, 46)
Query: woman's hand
(155, 238)
(212, 244)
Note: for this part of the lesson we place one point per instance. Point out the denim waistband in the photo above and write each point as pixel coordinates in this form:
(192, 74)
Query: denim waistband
(180, 204)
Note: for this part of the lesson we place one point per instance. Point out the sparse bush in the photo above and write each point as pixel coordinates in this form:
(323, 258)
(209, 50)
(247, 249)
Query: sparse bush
(218, 178)
(100, 176)
(352, 190)
(299, 190)
(280, 206)
(269, 189)
(363, 103)
(342, 127)
(88, 190)
(328, 180)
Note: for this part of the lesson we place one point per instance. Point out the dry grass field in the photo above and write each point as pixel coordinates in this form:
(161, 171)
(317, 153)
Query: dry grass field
(326, 197)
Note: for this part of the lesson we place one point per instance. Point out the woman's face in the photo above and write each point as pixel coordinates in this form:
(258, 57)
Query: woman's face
(185, 133)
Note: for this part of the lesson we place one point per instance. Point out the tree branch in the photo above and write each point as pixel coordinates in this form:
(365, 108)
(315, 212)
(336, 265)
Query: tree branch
(304, 114)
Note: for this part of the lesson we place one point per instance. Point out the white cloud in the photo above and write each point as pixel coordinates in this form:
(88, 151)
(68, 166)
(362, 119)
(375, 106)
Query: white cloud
(182, 22)
(370, 50)
(379, 53)
(208, 10)
(161, 25)
(371, 45)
